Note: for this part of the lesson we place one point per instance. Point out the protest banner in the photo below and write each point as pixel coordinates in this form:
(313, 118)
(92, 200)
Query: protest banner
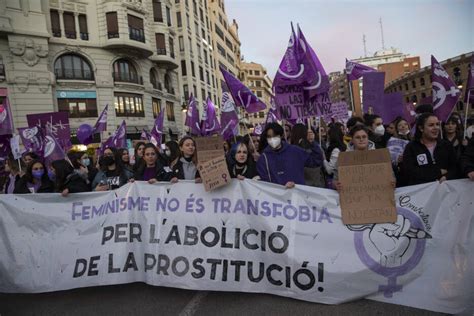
(367, 195)
(249, 236)
(396, 146)
(214, 173)
(209, 147)
(57, 122)
(338, 111)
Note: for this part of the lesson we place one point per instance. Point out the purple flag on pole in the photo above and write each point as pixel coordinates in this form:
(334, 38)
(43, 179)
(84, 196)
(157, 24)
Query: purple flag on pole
(470, 84)
(52, 149)
(210, 123)
(157, 131)
(373, 91)
(316, 79)
(444, 91)
(192, 117)
(145, 135)
(354, 70)
(4, 145)
(32, 139)
(242, 95)
(409, 113)
(392, 107)
(117, 140)
(101, 124)
(6, 118)
(57, 122)
(229, 117)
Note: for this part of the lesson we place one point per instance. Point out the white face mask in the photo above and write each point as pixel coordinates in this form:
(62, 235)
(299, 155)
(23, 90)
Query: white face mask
(274, 142)
(168, 153)
(405, 133)
(379, 130)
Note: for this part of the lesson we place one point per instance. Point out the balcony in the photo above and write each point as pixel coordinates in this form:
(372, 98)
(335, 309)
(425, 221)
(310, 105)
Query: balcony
(165, 60)
(126, 78)
(132, 44)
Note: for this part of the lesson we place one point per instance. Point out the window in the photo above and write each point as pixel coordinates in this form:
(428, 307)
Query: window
(195, 7)
(171, 44)
(124, 71)
(195, 91)
(154, 80)
(201, 73)
(190, 45)
(69, 25)
(112, 25)
(181, 44)
(168, 84)
(261, 114)
(258, 83)
(221, 50)
(83, 31)
(55, 25)
(196, 28)
(192, 69)
(406, 86)
(423, 95)
(203, 33)
(413, 84)
(207, 77)
(219, 32)
(160, 44)
(199, 50)
(170, 111)
(178, 19)
(72, 67)
(205, 56)
(422, 81)
(183, 68)
(407, 99)
(156, 106)
(186, 92)
(187, 20)
(129, 104)
(229, 44)
(257, 73)
(78, 108)
(2, 70)
(168, 15)
(203, 95)
(135, 28)
(157, 11)
(259, 94)
(201, 15)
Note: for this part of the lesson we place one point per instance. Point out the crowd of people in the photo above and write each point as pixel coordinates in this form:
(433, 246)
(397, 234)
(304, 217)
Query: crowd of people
(285, 155)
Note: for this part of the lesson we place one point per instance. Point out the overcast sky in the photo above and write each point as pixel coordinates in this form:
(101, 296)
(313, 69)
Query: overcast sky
(334, 28)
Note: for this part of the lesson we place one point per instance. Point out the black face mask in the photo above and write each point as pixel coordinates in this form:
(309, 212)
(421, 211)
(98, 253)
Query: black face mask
(108, 160)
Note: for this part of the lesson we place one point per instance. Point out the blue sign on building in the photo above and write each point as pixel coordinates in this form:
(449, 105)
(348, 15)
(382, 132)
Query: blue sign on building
(75, 94)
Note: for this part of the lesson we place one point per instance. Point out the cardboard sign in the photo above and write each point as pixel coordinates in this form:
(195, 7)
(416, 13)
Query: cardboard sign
(214, 173)
(367, 195)
(209, 148)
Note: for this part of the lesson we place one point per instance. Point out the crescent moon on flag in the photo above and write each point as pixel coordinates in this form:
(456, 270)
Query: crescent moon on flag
(315, 86)
(249, 99)
(281, 72)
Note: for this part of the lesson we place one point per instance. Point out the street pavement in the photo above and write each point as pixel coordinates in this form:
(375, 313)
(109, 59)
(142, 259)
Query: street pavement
(142, 299)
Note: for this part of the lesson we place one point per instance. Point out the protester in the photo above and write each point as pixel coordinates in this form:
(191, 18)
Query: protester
(150, 168)
(353, 121)
(428, 158)
(186, 166)
(226, 146)
(172, 153)
(12, 167)
(287, 133)
(29, 157)
(377, 132)
(124, 157)
(240, 163)
(467, 160)
(66, 179)
(402, 129)
(390, 129)
(35, 180)
(112, 175)
(283, 163)
(336, 146)
(453, 132)
(139, 147)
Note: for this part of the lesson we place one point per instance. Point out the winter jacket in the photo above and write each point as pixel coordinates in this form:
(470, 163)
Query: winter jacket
(102, 177)
(249, 171)
(419, 167)
(160, 173)
(467, 159)
(178, 169)
(21, 186)
(287, 163)
(75, 183)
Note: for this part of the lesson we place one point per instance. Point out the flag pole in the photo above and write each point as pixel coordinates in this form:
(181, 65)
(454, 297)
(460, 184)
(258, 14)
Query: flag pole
(351, 96)
(467, 110)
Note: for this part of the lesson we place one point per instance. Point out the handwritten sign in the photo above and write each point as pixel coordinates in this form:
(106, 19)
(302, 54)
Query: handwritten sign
(367, 194)
(338, 111)
(209, 147)
(214, 173)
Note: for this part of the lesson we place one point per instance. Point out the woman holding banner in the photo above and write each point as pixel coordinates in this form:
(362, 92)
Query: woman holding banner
(428, 158)
(151, 169)
(336, 146)
(240, 163)
(186, 166)
(282, 163)
(35, 180)
(111, 175)
(66, 179)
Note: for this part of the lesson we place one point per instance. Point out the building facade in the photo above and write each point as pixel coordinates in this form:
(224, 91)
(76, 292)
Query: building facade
(416, 85)
(255, 77)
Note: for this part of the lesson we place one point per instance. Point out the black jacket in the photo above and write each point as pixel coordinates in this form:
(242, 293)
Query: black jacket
(7, 182)
(467, 158)
(177, 170)
(249, 171)
(160, 173)
(419, 167)
(379, 141)
(21, 186)
(75, 184)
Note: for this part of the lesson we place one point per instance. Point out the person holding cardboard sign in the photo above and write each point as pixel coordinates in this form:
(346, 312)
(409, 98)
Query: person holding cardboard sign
(282, 163)
(186, 166)
(428, 158)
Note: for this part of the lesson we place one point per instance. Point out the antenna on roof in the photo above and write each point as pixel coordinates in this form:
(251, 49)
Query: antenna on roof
(381, 31)
(365, 46)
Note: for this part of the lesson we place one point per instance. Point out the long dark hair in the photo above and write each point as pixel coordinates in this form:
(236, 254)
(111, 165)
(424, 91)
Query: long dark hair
(62, 169)
(336, 139)
(118, 161)
(298, 132)
(137, 145)
(174, 148)
(120, 152)
(75, 158)
(29, 172)
(459, 128)
(420, 122)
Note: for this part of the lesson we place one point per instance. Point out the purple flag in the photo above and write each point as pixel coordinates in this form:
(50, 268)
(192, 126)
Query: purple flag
(316, 79)
(242, 95)
(271, 116)
(192, 117)
(258, 130)
(145, 135)
(157, 130)
(52, 149)
(354, 70)
(444, 91)
(229, 117)
(101, 124)
(392, 107)
(409, 113)
(57, 122)
(210, 123)
(6, 118)
(32, 139)
(373, 91)
(4, 146)
(470, 84)
(117, 140)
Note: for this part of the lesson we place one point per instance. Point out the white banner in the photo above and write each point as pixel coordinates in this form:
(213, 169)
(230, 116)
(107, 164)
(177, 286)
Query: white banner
(249, 236)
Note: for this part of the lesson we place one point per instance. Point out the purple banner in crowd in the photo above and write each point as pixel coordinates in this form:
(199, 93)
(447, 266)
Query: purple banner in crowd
(210, 123)
(101, 124)
(192, 117)
(229, 117)
(32, 139)
(57, 122)
(52, 149)
(392, 107)
(157, 131)
(444, 92)
(337, 111)
(4, 146)
(373, 91)
(6, 117)
(354, 70)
